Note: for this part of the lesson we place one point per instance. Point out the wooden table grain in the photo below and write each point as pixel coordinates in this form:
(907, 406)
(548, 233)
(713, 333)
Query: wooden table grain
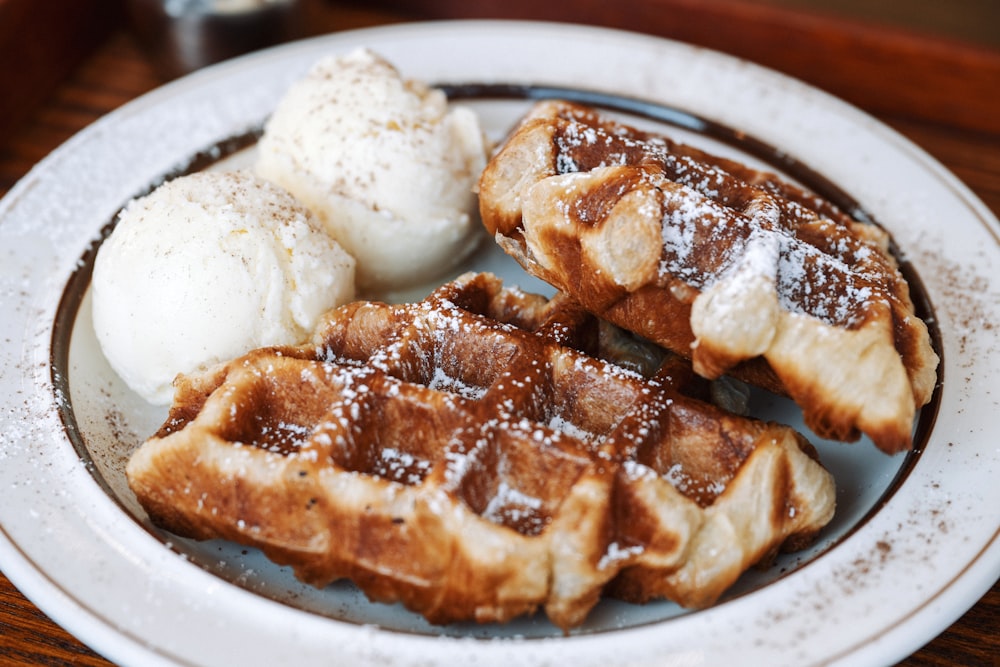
(940, 94)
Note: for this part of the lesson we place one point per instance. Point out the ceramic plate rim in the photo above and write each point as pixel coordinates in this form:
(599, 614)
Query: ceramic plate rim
(125, 638)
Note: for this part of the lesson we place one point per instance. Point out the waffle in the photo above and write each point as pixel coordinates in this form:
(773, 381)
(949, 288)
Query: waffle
(735, 268)
(475, 456)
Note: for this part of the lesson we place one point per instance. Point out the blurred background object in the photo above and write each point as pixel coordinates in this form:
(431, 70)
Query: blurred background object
(822, 42)
(44, 41)
(184, 35)
(974, 21)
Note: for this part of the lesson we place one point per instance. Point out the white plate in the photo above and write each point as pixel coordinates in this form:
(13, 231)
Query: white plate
(915, 541)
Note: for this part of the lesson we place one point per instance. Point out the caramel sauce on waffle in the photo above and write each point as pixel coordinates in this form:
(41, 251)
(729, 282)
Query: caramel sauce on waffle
(738, 269)
(714, 220)
(476, 456)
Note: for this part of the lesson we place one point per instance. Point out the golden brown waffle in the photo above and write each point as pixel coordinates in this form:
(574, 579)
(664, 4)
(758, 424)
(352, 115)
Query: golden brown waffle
(732, 267)
(472, 457)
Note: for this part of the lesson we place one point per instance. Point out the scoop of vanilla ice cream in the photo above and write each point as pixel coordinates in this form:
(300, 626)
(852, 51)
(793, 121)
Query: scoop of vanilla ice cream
(205, 268)
(385, 162)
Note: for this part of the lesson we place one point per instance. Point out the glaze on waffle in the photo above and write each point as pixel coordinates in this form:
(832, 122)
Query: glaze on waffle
(738, 270)
(475, 457)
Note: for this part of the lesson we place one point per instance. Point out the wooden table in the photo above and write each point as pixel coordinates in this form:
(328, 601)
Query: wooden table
(941, 95)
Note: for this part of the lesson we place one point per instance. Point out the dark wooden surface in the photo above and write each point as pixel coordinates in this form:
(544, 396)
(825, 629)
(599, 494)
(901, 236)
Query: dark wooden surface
(942, 95)
(32, 67)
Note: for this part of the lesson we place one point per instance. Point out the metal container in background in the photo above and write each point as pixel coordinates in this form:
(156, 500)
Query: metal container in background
(184, 35)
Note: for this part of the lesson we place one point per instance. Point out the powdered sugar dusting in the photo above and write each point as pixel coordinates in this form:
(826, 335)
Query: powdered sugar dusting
(617, 554)
(510, 506)
(690, 224)
(704, 241)
(824, 269)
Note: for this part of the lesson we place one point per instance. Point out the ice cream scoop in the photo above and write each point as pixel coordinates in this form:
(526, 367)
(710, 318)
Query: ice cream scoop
(385, 162)
(205, 268)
